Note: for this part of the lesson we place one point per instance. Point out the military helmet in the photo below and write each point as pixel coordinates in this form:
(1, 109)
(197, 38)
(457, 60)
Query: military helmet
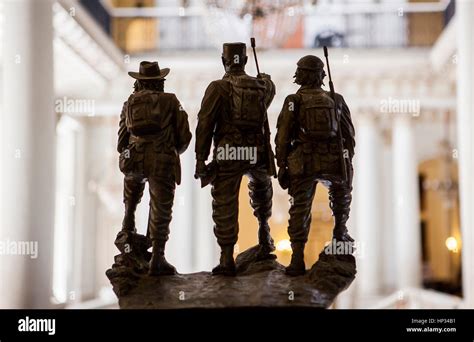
(310, 62)
(236, 52)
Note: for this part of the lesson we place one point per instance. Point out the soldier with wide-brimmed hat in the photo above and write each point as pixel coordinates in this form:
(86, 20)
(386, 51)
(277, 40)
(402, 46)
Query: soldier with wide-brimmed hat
(233, 115)
(153, 132)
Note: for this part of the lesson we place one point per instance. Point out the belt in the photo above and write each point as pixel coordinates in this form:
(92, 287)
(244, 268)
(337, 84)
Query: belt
(143, 138)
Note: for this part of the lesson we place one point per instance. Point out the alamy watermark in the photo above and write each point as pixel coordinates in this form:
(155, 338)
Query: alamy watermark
(12, 247)
(400, 106)
(228, 152)
(28, 324)
(66, 105)
(336, 247)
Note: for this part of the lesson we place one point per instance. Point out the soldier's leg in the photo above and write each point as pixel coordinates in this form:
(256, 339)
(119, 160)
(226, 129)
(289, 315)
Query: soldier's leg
(132, 194)
(340, 197)
(261, 193)
(225, 212)
(302, 192)
(161, 204)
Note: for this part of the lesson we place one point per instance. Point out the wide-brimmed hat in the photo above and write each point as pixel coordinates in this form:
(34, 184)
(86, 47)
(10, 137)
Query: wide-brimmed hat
(150, 71)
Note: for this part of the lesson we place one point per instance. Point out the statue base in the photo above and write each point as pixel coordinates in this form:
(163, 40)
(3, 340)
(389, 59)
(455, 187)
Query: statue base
(259, 283)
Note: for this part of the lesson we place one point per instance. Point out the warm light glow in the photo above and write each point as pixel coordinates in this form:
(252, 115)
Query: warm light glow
(283, 246)
(452, 244)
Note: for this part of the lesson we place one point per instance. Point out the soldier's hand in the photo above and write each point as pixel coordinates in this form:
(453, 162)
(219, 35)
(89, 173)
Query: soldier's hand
(201, 169)
(264, 76)
(283, 178)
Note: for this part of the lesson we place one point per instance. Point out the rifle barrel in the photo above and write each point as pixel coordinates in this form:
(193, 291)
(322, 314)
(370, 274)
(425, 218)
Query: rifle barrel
(271, 156)
(333, 95)
(326, 54)
(252, 43)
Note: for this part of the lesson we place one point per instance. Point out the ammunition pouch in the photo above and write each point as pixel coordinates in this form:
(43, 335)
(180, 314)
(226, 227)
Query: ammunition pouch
(324, 159)
(131, 159)
(296, 162)
(164, 165)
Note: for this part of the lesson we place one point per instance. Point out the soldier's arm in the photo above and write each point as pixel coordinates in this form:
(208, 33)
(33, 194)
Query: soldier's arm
(285, 128)
(182, 127)
(270, 89)
(207, 120)
(123, 134)
(348, 131)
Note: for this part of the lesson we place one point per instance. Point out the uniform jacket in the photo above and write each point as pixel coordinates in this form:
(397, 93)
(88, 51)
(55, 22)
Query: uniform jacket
(287, 126)
(168, 144)
(214, 108)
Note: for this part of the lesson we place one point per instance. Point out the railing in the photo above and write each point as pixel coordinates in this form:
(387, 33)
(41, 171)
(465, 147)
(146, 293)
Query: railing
(386, 24)
(100, 14)
(343, 23)
(77, 29)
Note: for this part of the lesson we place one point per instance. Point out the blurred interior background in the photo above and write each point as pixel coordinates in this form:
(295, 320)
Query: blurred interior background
(405, 69)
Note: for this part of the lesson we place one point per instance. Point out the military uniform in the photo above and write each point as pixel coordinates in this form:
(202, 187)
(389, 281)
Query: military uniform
(150, 148)
(307, 148)
(220, 120)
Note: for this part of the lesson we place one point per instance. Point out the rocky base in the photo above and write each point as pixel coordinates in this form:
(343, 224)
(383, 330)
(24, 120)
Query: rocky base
(131, 264)
(258, 284)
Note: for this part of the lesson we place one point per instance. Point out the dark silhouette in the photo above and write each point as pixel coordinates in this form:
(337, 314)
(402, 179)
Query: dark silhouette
(233, 115)
(153, 132)
(314, 144)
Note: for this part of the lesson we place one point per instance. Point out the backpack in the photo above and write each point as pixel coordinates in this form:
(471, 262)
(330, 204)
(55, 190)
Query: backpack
(247, 102)
(318, 116)
(144, 115)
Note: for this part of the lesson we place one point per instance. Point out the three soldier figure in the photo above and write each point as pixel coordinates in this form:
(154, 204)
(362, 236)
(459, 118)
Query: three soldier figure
(154, 131)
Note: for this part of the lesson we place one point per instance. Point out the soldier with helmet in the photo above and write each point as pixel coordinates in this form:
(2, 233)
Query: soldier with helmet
(153, 132)
(233, 115)
(312, 127)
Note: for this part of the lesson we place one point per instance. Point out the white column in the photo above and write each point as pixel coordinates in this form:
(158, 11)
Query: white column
(369, 207)
(465, 111)
(406, 202)
(388, 235)
(179, 249)
(205, 249)
(28, 131)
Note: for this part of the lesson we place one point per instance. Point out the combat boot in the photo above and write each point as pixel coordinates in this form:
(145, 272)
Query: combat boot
(297, 266)
(128, 223)
(342, 235)
(158, 264)
(266, 244)
(340, 232)
(227, 265)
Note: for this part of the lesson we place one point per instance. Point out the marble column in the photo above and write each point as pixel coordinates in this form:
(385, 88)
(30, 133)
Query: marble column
(179, 249)
(406, 203)
(368, 218)
(465, 121)
(28, 153)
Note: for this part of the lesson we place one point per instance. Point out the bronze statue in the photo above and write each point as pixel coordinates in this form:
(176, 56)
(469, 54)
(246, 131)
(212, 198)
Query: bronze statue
(314, 134)
(153, 132)
(233, 115)
(314, 144)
